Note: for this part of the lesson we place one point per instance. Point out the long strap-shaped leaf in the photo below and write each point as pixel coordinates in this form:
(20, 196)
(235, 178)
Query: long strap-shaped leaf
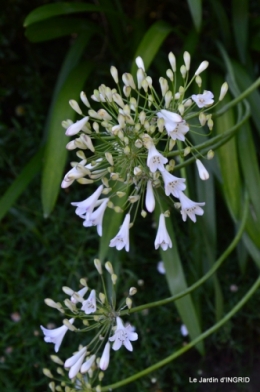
(56, 153)
(50, 10)
(177, 282)
(196, 12)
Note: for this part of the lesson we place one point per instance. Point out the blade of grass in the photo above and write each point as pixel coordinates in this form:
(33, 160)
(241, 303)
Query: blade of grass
(56, 153)
(196, 12)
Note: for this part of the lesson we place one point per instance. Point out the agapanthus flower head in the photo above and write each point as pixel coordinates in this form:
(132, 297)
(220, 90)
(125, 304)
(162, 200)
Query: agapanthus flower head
(99, 313)
(127, 136)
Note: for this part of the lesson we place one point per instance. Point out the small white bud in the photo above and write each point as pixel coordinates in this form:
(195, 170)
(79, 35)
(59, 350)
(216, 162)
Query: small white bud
(198, 80)
(168, 98)
(183, 71)
(127, 91)
(181, 109)
(139, 62)
(128, 80)
(114, 278)
(223, 91)
(186, 57)
(186, 151)
(114, 74)
(98, 266)
(120, 194)
(171, 144)
(68, 290)
(144, 213)
(164, 85)
(170, 75)
(132, 291)
(210, 124)
(109, 267)
(172, 61)
(202, 67)
(138, 143)
(75, 106)
(69, 325)
(140, 77)
(202, 119)
(47, 373)
(84, 99)
(210, 154)
(109, 158)
(102, 297)
(203, 173)
(128, 302)
(142, 117)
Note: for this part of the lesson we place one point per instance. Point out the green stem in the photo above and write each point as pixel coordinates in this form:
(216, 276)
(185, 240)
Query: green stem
(204, 277)
(176, 354)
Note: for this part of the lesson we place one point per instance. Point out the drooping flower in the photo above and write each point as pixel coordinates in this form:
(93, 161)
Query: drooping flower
(190, 208)
(175, 126)
(204, 99)
(203, 173)
(85, 207)
(161, 268)
(149, 197)
(155, 160)
(87, 365)
(121, 240)
(104, 360)
(75, 362)
(172, 185)
(162, 238)
(56, 335)
(89, 305)
(96, 218)
(123, 336)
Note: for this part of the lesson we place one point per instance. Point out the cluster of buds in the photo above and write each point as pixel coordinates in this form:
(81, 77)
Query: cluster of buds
(126, 146)
(96, 313)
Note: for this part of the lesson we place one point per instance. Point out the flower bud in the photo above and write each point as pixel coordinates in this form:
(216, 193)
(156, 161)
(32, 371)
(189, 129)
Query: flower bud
(109, 267)
(128, 80)
(132, 291)
(198, 80)
(210, 154)
(223, 91)
(170, 75)
(52, 386)
(168, 98)
(69, 325)
(102, 297)
(75, 106)
(203, 173)
(164, 85)
(47, 373)
(109, 158)
(183, 71)
(114, 278)
(140, 77)
(202, 67)
(84, 99)
(202, 119)
(129, 302)
(114, 74)
(68, 290)
(172, 61)
(139, 62)
(98, 266)
(127, 91)
(186, 151)
(186, 57)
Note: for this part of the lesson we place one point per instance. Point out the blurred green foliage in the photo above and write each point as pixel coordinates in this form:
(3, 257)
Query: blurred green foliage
(67, 47)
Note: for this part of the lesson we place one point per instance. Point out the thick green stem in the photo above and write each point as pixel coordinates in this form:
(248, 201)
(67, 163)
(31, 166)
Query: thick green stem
(176, 354)
(197, 284)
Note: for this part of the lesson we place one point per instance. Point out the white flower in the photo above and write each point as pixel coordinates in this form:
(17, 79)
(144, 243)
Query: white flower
(162, 238)
(184, 330)
(85, 207)
(172, 185)
(175, 126)
(204, 99)
(190, 208)
(203, 173)
(96, 218)
(87, 365)
(155, 160)
(89, 305)
(75, 362)
(123, 336)
(160, 267)
(104, 360)
(149, 198)
(121, 240)
(76, 172)
(56, 335)
(76, 127)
